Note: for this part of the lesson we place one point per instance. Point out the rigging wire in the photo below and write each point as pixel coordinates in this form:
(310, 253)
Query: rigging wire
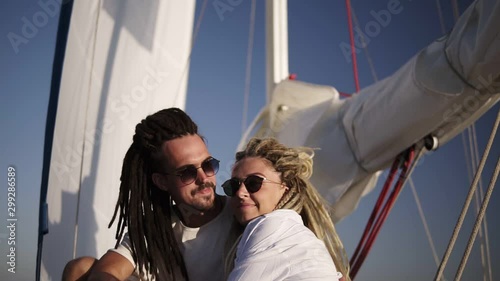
(390, 178)
(443, 29)
(248, 71)
(479, 218)
(456, 11)
(198, 24)
(485, 221)
(441, 18)
(353, 47)
(460, 221)
(471, 166)
(470, 173)
(477, 201)
(484, 228)
(473, 160)
(414, 191)
(406, 161)
(424, 221)
(364, 45)
(195, 35)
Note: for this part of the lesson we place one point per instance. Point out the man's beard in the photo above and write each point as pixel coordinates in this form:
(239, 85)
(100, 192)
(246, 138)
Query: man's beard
(204, 203)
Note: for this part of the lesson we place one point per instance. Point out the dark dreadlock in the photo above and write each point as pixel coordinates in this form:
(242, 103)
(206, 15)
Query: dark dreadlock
(143, 207)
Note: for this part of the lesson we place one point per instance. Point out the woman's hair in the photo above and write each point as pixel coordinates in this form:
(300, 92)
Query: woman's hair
(142, 206)
(295, 166)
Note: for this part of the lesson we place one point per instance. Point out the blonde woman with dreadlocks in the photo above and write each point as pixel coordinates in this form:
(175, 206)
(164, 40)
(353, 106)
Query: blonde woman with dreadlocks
(283, 229)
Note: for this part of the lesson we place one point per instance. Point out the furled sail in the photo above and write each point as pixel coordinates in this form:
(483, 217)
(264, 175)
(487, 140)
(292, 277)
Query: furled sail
(124, 60)
(439, 92)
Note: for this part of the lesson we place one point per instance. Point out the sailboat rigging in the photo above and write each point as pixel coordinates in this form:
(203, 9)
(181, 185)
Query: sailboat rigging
(128, 59)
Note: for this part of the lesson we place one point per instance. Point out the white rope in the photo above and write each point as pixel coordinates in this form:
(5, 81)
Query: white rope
(471, 166)
(453, 239)
(424, 221)
(248, 74)
(485, 239)
(474, 157)
(472, 163)
(478, 220)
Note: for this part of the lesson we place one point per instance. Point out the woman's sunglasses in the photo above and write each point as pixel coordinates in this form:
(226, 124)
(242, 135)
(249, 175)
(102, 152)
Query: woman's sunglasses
(189, 173)
(253, 183)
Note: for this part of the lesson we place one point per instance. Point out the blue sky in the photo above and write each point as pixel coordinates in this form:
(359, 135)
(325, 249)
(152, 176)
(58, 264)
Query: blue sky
(317, 29)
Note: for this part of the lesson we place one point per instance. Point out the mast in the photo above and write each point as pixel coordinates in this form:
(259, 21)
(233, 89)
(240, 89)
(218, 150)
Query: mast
(57, 67)
(276, 44)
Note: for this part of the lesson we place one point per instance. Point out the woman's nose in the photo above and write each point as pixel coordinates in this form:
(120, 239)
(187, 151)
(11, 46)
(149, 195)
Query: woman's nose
(242, 191)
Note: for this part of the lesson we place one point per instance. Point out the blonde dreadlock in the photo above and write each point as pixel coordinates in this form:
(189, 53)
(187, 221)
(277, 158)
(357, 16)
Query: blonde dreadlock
(295, 166)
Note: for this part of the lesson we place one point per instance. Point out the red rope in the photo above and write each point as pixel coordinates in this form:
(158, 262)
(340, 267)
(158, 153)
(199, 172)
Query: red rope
(375, 211)
(345, 95)
(370, 234)
(353, 48)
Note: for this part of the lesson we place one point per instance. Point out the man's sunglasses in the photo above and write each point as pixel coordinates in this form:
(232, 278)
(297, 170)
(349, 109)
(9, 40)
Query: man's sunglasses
(189, 173)
(253, 183)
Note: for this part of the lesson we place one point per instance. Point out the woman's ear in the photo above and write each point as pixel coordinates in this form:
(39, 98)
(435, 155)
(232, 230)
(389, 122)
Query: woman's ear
(284, 189)
(160, 181)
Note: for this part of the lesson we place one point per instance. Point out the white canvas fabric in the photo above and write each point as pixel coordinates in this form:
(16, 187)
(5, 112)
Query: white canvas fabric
(427, 96)
(124, 60)
(360, 136)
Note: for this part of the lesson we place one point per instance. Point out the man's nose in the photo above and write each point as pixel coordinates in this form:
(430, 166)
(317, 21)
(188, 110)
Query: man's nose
(200, 175)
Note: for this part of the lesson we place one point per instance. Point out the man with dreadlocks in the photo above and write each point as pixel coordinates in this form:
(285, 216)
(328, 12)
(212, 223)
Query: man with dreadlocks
(177, 225)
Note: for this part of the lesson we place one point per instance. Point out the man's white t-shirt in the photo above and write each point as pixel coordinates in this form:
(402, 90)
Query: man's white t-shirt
(277, 246)
(202, 248)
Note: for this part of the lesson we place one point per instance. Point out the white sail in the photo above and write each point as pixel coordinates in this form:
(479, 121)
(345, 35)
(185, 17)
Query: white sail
(360, 136)
(124, 60)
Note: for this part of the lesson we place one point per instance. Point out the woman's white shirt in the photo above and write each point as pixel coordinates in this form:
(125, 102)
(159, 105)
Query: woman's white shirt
(277, 246)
